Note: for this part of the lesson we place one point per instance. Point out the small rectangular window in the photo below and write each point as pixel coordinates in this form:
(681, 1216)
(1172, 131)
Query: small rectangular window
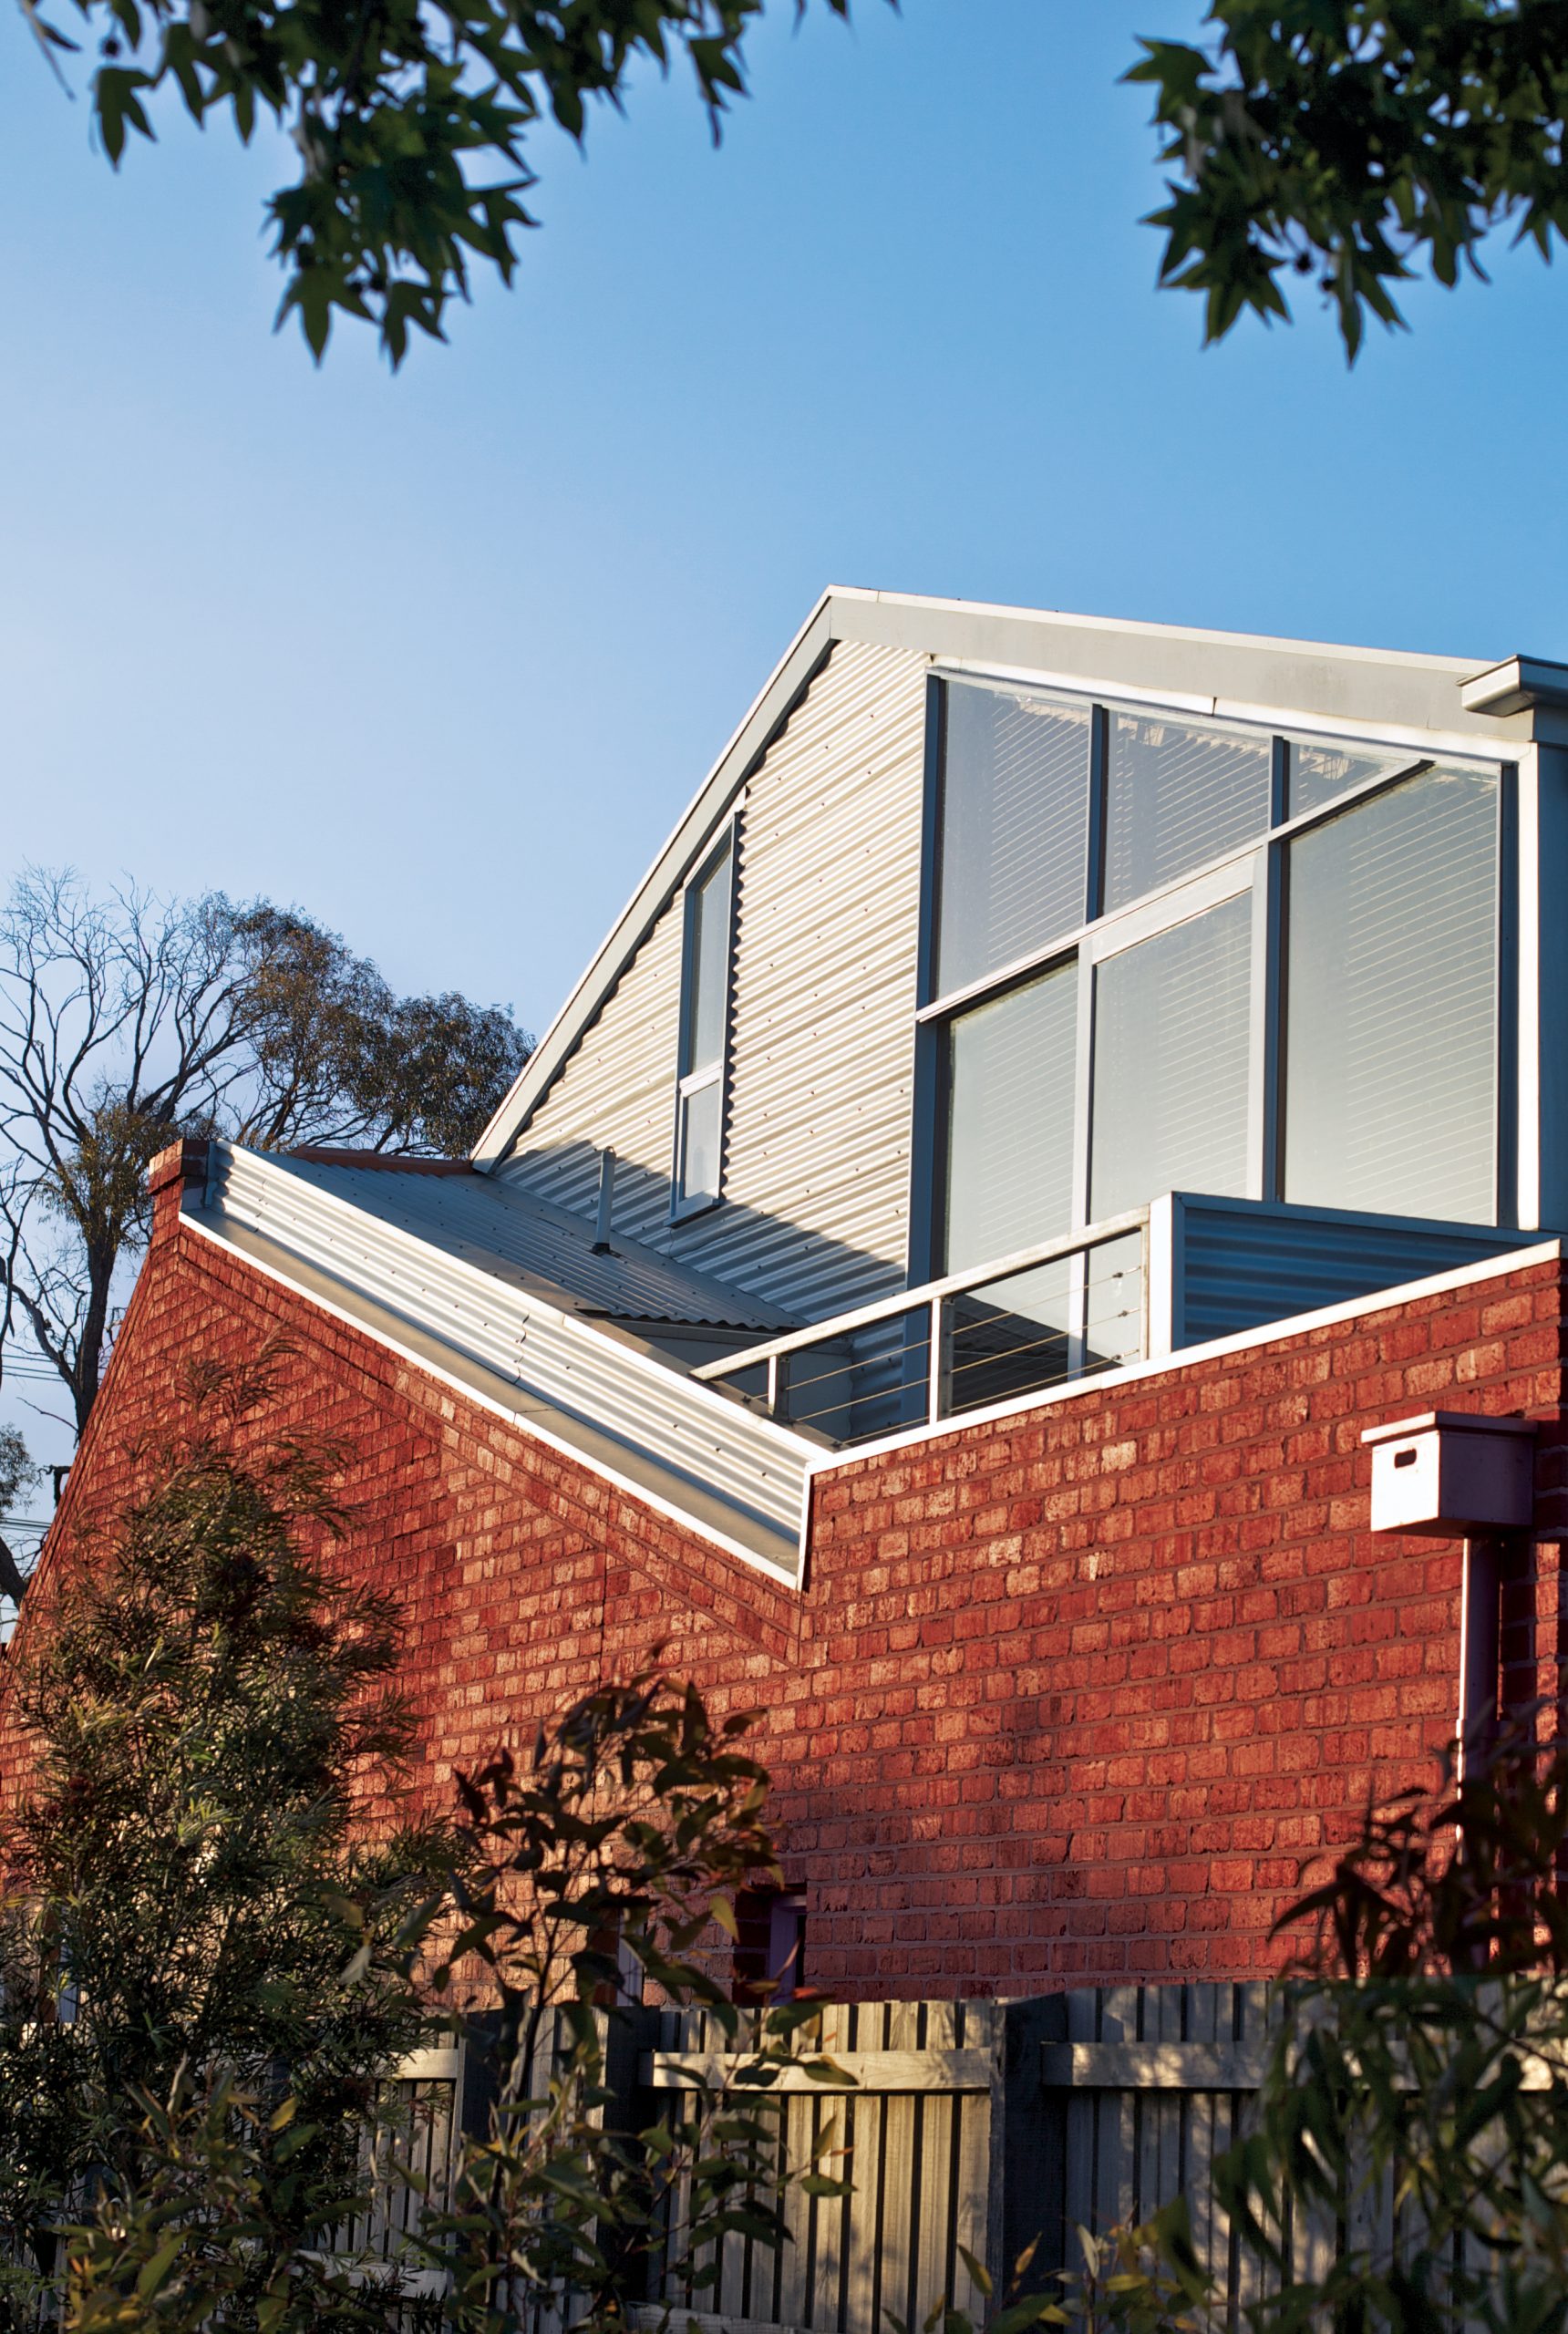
(770, 1944)
(1010, 1078)
(1015, 826)
(1171, 1062)
(1177, 796)
(1391, 1011)
(705, 1002)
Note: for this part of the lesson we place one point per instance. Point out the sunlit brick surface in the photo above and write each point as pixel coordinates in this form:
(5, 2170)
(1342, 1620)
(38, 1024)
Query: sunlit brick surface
(1079, 1693)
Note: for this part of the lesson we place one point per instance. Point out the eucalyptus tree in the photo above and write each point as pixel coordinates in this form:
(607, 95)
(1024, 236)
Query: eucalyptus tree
(127, 1021)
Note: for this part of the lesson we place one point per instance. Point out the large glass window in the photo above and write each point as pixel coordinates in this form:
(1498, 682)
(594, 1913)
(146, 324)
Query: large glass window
(1171, 1062)
(699, 1129)
(1010, 1078)
(1014, 825)
(1177, 796)
(1320, 769)
(1390, 1047)
(1346, 1056)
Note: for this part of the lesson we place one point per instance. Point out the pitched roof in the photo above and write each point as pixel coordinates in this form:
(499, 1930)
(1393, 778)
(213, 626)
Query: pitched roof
(528, 1244)
(1392, 695)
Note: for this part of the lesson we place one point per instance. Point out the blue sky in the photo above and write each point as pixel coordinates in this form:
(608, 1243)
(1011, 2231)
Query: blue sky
(440, 657)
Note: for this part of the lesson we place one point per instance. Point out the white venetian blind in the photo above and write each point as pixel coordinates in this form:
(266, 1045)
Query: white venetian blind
(1391, 1004)
(1170, 1027)
(1010, 1121)
(1015, 821)
(1176, 797)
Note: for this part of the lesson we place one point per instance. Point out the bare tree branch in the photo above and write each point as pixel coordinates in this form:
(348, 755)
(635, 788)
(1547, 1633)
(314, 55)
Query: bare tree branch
(126, 1022)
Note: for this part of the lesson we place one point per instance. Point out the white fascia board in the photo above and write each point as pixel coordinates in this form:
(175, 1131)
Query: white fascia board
(1166, 1365)
(1297, 721)
(1388, 690)
(849, 596)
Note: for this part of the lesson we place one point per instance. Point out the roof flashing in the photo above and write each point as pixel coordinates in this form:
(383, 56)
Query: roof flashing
(1518, 685)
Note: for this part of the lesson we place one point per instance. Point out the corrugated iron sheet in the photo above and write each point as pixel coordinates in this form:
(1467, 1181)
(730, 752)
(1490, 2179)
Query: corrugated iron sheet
(506, 1232)
(822, 1021)
(739, 1461)
(1241, 1266)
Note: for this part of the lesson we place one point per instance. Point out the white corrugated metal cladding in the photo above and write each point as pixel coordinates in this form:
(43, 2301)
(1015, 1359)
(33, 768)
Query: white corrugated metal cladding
(816, 1175)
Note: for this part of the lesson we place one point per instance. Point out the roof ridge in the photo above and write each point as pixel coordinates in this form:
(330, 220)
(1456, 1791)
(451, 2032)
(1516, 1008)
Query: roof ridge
(322, 1154)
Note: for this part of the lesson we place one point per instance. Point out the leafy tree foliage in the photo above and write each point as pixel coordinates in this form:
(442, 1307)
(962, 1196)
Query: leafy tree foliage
(126, 1022)
(1354, 141)
(409, 118)
(1422, 2065)
(219, 1936)
(189, 1919)
(604, 1862)
(1351, 142)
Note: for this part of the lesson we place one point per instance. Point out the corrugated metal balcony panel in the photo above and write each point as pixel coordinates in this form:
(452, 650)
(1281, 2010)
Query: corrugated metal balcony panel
(516, 1236)
(654, 1410)
(822, 1021)
(1243, 1265)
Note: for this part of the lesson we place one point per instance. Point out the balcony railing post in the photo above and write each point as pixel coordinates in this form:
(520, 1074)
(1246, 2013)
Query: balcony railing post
(936, 1356)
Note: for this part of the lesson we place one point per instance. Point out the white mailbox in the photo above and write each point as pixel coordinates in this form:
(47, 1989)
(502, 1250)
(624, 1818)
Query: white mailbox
(1452, 1475)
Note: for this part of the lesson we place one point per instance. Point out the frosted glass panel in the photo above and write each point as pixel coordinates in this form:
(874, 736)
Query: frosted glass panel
(1177, 796)
(1010, 1121)
(1391, 1011)
(1015, 821)
(699, 1143)
(1171, 1045)
(709, 963)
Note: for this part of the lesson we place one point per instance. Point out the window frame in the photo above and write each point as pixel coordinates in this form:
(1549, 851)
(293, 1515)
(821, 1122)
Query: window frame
(1260, 863)
(691, 1082)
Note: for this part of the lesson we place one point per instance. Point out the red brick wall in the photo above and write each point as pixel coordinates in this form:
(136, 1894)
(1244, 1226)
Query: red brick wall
(1078, 1694)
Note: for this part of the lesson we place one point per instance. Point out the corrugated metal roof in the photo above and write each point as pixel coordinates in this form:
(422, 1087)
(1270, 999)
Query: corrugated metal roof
(422, 1262)
(531, 1246)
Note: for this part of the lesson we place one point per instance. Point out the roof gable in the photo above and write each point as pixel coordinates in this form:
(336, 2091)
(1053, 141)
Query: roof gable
(1391, 695)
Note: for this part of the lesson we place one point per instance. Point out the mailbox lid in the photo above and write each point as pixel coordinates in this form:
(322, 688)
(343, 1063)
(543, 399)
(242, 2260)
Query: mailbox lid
(1451, 1474)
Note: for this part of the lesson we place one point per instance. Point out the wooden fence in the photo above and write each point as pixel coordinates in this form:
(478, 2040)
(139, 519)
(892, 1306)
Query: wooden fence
(915, 2133)
(978, 2127)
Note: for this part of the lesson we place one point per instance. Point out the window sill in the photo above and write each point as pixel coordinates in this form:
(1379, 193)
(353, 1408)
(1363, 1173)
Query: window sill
(683, 1211)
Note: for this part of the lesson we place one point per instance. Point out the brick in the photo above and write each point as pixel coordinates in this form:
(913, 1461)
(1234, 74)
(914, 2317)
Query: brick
(1078, 1694)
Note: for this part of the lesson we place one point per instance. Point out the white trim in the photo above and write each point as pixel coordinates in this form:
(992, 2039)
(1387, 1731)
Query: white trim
(1309, 727)
(1138, 628)
(1165, 911)
(1298, 1325)
(522, 1412)
(1528, 1195)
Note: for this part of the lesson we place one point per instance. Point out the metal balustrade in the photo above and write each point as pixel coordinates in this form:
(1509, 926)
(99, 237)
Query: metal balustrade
(1040, 1317)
